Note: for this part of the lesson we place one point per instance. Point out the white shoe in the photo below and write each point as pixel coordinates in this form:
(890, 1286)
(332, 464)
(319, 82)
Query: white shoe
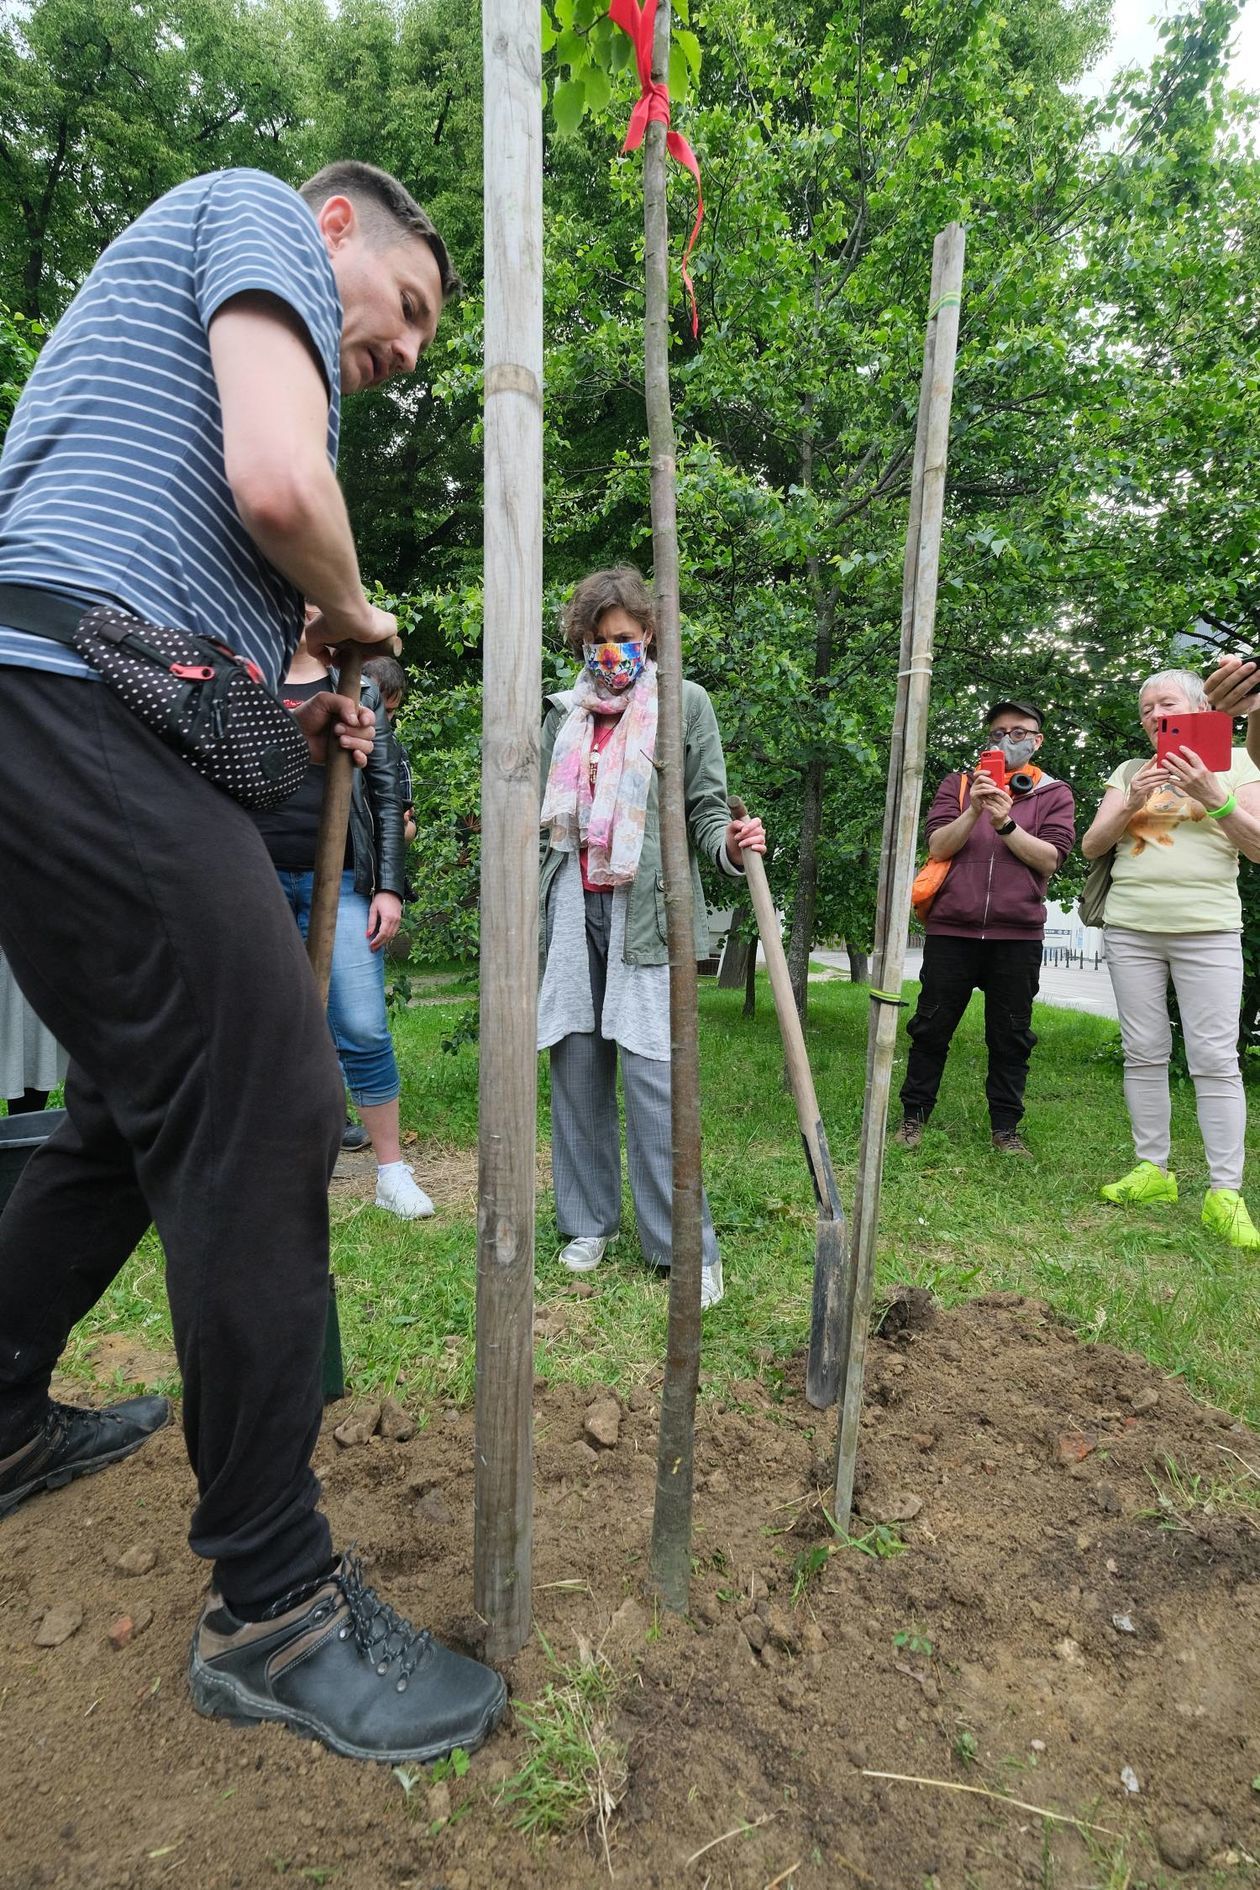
(584, 1254)
(711, 1288)
(397, 1193)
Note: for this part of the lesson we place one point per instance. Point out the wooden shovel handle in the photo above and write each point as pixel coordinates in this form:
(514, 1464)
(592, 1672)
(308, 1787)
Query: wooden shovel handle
(794, 1051)
(334, 818)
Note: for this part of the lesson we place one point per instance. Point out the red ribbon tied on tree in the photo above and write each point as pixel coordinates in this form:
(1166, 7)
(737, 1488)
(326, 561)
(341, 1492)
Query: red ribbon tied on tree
(639, 24)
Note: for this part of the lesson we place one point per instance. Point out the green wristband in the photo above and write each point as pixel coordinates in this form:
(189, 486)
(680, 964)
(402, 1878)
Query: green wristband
(1226, 808)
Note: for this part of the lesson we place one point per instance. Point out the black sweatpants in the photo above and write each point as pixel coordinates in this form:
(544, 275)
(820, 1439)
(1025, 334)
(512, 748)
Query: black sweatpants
(1008, 971)
(144, 922)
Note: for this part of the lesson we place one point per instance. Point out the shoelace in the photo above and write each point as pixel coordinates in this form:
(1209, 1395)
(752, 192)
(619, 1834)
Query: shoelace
(380, 1633)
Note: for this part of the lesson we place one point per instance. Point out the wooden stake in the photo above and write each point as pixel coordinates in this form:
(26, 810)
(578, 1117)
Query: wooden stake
(670, 1558)
(901, 816)
(330, 847)
(321, 932)
(831, 1257)
(503, 1522)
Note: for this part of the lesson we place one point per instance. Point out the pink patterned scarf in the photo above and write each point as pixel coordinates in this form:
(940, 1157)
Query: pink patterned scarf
(609, 822)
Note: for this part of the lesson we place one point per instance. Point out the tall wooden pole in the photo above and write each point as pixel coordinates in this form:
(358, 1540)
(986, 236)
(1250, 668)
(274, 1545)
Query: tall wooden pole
(670, 1559)
(901, 816)
(512, 652)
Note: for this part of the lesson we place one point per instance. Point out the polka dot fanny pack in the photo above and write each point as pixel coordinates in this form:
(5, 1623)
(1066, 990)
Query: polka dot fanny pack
(195, 693)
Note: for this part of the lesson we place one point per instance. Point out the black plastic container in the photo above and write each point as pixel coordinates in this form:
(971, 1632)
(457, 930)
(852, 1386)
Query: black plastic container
(20, 1136)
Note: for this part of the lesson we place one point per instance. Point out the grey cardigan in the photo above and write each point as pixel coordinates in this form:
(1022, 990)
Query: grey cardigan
(704, 770)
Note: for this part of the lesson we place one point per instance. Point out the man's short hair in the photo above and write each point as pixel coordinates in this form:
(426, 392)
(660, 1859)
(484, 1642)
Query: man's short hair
(1017, 708)
(387, 212)
(389, 676)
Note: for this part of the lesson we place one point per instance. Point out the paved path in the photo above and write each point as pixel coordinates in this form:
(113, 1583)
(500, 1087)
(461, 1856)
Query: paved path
(1071, 990)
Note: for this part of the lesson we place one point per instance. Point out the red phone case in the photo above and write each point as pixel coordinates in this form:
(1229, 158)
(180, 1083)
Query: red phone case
(1210, 733)
(993, 763)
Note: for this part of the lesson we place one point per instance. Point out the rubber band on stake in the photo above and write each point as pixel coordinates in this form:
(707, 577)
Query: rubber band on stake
(638, 23)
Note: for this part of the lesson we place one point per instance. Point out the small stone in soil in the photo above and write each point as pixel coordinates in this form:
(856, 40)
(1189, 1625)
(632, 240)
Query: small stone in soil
(1144, 1400)
(889, 1506)
(439, 1803)
(359, 1427)
(137, 1560)
(602, 1424)
(1069, 1651)
(1123, 1624)
(433, 1508)
(59, 1623)
(122, 1633)
(754, 1631)
(1185, 1842)
(397, 1425)
(1075, 1446)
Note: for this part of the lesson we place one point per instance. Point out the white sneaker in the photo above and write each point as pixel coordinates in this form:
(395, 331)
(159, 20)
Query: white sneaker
(711, 1288)
(397, 1193)
(584, 1254)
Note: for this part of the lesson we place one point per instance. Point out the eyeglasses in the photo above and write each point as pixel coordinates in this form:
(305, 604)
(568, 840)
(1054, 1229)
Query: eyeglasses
(1013, 734)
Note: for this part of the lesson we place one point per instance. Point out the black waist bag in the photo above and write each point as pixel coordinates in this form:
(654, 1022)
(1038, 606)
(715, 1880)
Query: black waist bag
(196, 694)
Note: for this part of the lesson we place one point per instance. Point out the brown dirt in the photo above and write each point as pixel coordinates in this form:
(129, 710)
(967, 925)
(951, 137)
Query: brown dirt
(1020, 1555)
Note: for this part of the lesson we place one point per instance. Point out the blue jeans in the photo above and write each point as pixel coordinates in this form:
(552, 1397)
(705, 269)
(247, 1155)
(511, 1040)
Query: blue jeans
(356, 992)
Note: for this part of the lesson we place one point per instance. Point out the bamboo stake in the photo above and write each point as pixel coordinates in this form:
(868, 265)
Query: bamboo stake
(901, 817)
(670, 1556)
(503, 1521)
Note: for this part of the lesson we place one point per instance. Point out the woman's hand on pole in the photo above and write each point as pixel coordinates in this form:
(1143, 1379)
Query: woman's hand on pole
(747, 832)
(384, 919)
(1186, 771)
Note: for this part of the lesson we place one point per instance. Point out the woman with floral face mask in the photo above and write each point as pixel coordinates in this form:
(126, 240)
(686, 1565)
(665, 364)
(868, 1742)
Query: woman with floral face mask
(604, 959)
(1173, 911)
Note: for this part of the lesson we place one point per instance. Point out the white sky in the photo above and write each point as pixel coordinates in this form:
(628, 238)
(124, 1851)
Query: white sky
(1133, 41)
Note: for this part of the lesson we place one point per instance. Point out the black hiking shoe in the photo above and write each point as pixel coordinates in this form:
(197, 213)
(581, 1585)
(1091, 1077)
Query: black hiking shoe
(74, 1442)
(1010, 1142)
(341, 1667)
(910, 1134)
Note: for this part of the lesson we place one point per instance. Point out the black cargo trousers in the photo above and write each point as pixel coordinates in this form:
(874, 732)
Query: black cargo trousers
(1008, 971)
(145, 924)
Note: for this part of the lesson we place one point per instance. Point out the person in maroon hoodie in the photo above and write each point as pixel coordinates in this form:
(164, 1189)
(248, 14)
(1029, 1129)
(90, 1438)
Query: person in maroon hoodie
(985, 927)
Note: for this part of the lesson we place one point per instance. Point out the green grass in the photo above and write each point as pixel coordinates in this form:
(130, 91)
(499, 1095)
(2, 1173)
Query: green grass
(955, 1217)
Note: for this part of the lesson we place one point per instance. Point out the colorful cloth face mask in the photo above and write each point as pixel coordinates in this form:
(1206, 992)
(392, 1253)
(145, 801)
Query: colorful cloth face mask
(616, 665)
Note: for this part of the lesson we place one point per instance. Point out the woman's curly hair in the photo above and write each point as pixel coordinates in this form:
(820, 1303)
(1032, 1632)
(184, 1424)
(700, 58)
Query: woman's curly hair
(623, 587)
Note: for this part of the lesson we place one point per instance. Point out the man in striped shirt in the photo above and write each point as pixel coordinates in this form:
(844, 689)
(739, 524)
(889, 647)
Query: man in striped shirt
(175, 452)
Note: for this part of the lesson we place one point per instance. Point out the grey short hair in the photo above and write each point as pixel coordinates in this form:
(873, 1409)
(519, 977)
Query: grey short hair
(1185, 679)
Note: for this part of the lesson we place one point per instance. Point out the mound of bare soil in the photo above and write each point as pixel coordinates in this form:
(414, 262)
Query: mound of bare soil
(1042, 1636)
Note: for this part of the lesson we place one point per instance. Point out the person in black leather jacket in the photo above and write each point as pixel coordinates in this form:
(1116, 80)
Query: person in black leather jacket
(369, 912)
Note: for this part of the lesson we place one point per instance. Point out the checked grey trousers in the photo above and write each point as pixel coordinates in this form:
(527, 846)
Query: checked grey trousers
(585, 1134)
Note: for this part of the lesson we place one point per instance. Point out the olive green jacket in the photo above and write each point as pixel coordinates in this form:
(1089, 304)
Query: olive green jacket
(704, 769)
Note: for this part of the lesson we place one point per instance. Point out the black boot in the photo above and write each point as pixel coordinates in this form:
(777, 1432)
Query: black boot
(340, 1666)
(73, 1442)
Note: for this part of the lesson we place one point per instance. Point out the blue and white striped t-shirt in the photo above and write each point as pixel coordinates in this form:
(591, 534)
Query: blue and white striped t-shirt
(112, 486)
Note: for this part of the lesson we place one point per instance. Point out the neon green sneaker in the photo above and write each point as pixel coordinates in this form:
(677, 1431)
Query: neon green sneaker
(1225, 1212)
(1146, 1182)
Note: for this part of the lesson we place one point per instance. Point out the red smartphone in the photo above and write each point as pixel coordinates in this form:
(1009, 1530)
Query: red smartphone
(1210, 733)
(993, 763)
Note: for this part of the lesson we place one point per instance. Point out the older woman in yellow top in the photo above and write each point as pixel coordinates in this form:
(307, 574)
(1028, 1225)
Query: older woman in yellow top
(1174, 910)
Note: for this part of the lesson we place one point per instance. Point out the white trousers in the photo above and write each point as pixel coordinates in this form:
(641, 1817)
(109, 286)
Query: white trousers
(1206, 969)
